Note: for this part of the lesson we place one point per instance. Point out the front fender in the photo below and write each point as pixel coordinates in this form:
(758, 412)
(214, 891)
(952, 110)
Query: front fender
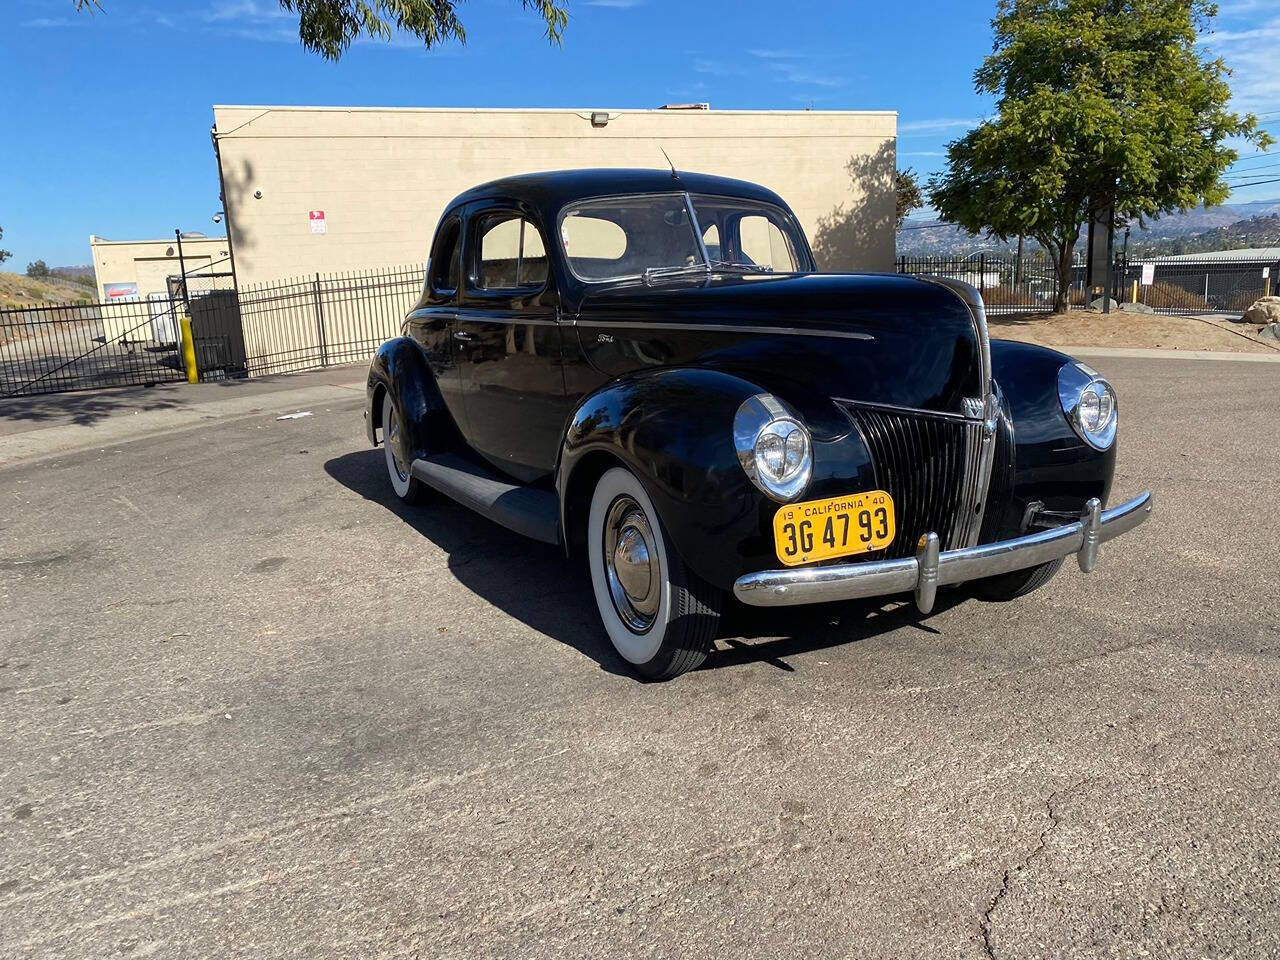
(1044, 460)
(400, 370)
(673, 429)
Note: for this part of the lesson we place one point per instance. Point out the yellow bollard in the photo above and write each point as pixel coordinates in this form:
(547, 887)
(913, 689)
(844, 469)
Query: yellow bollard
(1134, 298)
(189, 351)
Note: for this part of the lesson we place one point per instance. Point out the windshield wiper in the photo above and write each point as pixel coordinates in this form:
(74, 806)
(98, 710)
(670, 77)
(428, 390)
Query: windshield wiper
(653, 273)
(740, 267)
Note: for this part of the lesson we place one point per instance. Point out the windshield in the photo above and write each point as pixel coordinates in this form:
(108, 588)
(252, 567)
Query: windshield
(653, 235)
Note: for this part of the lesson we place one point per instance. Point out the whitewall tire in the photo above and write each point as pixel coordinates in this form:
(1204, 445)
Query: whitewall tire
(398, 459)
(660, 617)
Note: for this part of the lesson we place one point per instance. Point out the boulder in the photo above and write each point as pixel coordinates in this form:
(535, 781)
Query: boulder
(1263, 311)
(1270, 332)
(1136, 308)
(1097, 305)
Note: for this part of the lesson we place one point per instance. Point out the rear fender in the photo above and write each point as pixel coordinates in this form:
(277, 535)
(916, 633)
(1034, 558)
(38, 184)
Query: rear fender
(401, 371)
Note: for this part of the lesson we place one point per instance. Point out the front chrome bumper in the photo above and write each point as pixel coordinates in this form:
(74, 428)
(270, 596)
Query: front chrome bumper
(929, 568)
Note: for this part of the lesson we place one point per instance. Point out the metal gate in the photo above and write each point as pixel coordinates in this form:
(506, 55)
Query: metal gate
(49, 349)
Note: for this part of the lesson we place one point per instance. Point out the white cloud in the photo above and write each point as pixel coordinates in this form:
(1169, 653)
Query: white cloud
(247, 10)
(49, 23)
(923, 153)
(940, 123)
(1255, 66)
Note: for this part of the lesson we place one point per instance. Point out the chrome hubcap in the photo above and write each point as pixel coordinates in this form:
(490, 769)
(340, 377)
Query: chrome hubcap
(631, 565)
(396, 448)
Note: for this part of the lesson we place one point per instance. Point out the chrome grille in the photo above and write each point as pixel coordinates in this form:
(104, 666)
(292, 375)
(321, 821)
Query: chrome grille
(930, 464)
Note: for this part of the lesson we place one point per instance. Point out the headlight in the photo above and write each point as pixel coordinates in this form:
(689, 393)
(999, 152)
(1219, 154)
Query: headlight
(773, 447)
(1089, 403)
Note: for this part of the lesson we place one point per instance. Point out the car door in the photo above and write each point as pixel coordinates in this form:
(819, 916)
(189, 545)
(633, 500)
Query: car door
(431, 324)
(507, 343)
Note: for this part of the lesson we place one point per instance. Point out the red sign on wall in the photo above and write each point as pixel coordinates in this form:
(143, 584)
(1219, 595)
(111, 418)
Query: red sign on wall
(318, 223)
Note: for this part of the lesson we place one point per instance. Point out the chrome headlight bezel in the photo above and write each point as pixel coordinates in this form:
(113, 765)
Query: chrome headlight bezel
(759, 417)
(1076, 382)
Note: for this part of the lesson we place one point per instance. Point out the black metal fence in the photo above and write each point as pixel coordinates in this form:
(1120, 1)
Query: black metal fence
(1008, 284)
(1164, 285)
(303, 323)
(1207, 285)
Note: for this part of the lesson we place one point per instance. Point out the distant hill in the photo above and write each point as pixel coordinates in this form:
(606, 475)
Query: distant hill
(1228, 227)
(17, 290)
(1254, 232)
(75, 272)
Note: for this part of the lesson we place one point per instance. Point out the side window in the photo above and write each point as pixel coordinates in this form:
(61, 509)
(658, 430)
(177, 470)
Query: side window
(765, 245)
(510, 254)
(444, 259)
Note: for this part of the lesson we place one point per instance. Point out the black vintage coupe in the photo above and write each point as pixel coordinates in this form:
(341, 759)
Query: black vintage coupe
(645, 368)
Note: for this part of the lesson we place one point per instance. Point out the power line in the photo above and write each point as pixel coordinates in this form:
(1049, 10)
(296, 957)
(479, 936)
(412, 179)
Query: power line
(1250, 173)
(1255, 183)
(1265, 156)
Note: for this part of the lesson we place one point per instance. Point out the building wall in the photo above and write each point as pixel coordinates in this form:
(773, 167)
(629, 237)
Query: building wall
(383, 176)
(149, 263)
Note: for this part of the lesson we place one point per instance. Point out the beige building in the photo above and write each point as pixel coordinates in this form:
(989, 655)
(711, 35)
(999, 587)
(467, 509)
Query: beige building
(139, 268)
(326, 189)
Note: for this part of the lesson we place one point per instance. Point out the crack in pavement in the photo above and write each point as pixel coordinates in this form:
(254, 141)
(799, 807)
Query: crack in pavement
(1052, 812)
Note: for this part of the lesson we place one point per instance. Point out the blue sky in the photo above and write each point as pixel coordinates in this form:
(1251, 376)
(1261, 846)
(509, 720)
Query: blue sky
(106, 118)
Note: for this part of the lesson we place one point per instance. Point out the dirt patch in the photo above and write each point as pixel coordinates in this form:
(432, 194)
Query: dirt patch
(1086, 328)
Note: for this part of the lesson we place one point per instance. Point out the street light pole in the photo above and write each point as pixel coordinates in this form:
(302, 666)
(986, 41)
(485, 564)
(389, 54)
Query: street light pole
(182, 270)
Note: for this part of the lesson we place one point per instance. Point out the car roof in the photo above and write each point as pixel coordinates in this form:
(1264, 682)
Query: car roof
(552, 189)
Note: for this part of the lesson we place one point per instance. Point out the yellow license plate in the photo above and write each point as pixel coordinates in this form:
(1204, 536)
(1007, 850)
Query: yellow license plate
(839, 527)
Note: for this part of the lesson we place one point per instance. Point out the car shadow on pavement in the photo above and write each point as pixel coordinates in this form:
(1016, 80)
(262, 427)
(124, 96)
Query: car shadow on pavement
(535, 584)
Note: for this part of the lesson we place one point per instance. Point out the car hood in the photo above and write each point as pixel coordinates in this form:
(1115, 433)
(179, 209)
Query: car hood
(875, 338)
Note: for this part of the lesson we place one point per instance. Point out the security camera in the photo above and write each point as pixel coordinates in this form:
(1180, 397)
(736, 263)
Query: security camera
(217, 218)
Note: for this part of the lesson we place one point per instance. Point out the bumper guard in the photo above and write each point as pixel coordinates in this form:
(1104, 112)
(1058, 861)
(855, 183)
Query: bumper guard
(930, 568)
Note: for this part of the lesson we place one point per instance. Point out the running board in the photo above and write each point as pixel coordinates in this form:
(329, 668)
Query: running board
(528, 511)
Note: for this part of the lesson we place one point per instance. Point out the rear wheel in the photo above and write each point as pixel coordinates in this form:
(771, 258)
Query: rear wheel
(659, 615)
(1018, 583)
(407, 487)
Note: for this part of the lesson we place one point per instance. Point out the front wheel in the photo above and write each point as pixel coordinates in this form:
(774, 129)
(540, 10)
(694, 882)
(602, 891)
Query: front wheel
(1018, 583)
(660, 616)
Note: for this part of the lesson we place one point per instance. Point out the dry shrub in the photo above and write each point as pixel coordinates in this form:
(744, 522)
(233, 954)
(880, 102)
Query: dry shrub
(1003, 296)
(1172, 296)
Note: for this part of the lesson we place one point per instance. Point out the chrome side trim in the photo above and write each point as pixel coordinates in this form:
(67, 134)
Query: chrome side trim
(721, 327)
(847, 581)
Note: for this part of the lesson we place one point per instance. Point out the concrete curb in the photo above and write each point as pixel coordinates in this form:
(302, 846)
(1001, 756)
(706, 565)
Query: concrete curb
(42, 442)
(1153, 354)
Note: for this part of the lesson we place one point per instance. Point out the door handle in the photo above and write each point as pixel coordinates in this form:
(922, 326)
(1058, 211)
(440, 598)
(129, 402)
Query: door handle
(463, 336)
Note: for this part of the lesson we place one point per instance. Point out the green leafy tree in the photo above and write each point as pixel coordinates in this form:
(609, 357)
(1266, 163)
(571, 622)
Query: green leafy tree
(1101, 104)
(906, 186)
(38, 269)
(328, 27)
(4, 254)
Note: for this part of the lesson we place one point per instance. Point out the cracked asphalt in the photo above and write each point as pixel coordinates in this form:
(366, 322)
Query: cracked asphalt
(252, 707)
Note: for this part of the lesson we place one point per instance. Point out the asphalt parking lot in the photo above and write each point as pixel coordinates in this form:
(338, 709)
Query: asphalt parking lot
(253, 707)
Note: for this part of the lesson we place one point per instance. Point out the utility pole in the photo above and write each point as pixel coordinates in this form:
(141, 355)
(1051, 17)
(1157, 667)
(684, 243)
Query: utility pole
(1017, 266)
